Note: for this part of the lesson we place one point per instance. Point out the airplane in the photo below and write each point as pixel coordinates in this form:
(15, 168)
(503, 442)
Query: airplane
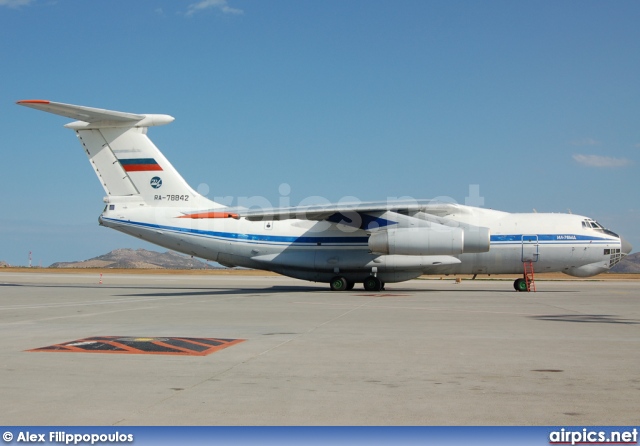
(372, 243)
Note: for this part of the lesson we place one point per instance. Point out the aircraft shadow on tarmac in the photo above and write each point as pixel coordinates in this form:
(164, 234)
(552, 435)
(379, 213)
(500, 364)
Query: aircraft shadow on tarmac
(283, 289)
(204, 291)
(586, 318)
(167, 292)
(179, 291)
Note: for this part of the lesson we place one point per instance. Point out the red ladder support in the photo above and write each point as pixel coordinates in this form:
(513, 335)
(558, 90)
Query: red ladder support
(528, 275)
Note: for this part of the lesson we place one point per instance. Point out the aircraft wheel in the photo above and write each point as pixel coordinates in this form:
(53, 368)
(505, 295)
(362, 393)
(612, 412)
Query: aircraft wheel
(339, 284)
(372, 283)
(520, 285)
(350, 285)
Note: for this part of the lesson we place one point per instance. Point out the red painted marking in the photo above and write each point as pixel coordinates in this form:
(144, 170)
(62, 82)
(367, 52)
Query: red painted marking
(210, 215)
(141, 167)
(33, 101)
(383, 295)
(120, 346)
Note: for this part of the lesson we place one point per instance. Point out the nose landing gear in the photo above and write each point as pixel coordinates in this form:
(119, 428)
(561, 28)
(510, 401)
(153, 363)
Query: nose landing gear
(520, 285)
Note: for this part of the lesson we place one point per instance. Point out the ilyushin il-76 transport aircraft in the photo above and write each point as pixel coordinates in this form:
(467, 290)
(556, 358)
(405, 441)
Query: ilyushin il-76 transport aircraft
(342, 244)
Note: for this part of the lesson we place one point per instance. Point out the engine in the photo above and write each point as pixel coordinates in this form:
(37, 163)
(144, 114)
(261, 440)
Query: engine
(435, 240)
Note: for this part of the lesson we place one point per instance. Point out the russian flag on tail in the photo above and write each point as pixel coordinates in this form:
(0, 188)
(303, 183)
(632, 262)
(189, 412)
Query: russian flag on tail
(139, 164)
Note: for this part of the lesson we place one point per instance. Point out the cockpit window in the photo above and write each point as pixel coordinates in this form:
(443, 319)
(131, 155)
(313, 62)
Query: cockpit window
(592, 224)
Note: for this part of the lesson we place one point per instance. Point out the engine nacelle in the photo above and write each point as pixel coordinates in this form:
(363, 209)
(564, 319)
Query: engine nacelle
(476, 239)
(436, 240)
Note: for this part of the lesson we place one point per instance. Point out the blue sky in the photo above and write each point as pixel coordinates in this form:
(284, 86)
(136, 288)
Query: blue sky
(538, 103)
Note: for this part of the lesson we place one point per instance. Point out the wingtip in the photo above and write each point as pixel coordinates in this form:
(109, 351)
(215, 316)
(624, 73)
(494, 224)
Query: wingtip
(33, 101)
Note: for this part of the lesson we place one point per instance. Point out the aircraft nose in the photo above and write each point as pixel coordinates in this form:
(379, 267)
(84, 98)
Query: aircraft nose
(625, 246)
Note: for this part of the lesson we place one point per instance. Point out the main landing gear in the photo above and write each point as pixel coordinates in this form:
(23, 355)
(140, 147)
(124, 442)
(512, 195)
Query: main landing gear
(371, 283)
(339, 283)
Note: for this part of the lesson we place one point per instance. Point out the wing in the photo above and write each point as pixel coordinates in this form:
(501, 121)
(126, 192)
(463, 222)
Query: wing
(409, 227)
(326, 211)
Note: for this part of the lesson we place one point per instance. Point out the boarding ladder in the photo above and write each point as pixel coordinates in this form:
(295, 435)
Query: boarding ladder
(528, 276)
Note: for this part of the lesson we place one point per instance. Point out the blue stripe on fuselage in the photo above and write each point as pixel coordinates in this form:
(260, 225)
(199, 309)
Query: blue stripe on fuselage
(506, 239)
(365, 221)
(549, 238)
(254, 238)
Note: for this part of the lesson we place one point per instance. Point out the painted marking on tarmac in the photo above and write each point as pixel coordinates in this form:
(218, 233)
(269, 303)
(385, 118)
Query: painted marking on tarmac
(383, 295)
(142, 345)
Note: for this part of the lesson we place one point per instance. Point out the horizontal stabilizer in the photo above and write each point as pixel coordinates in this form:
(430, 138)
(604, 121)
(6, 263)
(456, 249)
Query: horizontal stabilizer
(97, 115)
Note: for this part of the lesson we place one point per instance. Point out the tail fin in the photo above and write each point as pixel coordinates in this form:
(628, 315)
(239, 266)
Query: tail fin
(125, 160)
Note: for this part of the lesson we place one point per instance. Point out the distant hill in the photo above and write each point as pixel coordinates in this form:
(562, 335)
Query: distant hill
(139, 258)
(630, 264)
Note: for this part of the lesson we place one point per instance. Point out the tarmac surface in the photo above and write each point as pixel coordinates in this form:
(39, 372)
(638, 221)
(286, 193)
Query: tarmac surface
(424, 352)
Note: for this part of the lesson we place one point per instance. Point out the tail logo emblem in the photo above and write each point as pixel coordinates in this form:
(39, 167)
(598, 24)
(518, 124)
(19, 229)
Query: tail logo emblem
(156, 182)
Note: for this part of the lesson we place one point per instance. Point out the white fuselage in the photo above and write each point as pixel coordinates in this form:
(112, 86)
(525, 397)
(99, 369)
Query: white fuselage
(318, 250)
